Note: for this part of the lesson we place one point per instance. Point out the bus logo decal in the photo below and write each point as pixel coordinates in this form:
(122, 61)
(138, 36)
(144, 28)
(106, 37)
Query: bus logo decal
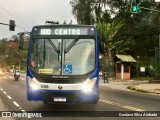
(60, 87)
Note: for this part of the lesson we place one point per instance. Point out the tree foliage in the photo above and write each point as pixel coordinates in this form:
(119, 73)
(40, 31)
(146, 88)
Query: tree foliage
(83, 11)
(10, 55)
(120, 30)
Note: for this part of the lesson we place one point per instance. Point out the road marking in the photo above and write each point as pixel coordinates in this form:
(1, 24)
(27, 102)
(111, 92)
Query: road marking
(132, 108)
(9, 97)
(16, 103)
(4, 92)
(23, 111)
(120, 105)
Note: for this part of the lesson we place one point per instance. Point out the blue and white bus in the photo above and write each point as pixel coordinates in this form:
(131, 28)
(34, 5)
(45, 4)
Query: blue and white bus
(63, 64)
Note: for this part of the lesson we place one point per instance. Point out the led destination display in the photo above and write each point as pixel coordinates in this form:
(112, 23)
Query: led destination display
(63, 31)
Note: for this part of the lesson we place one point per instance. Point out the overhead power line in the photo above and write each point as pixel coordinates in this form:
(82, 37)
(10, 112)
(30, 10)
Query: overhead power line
(14, 16)
(22, 27)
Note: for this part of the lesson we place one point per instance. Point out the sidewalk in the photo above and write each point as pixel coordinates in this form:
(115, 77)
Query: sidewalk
(140, 86)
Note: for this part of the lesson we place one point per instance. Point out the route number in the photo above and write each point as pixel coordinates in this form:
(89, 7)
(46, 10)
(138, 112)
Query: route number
(45, 31)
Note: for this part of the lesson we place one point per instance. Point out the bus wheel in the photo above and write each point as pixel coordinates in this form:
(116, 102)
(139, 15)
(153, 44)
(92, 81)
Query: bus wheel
(95, 102)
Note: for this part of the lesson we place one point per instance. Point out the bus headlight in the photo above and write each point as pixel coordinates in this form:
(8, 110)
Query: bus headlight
(32, 84)
(88, 85)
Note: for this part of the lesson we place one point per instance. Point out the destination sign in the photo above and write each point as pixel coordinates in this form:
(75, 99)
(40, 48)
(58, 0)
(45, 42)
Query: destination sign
(63, 31)
(67, 31)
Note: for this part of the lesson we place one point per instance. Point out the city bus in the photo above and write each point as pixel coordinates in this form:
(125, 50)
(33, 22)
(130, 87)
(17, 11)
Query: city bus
(63, 64)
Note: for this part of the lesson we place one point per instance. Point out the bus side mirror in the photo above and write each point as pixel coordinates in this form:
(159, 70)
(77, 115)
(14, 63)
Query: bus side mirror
(102, 47)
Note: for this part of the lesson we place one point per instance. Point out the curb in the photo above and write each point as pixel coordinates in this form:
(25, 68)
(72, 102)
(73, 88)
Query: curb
(133, 88)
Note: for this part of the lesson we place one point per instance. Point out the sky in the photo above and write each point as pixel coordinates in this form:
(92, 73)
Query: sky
(28, 13)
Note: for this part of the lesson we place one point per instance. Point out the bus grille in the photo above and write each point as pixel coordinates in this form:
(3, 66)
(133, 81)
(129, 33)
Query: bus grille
(70, 97)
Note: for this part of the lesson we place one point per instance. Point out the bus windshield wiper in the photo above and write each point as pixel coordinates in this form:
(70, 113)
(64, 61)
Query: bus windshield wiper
(72, 44)
(53, 45)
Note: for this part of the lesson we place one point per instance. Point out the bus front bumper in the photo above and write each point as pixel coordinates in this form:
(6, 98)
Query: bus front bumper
(64, 96)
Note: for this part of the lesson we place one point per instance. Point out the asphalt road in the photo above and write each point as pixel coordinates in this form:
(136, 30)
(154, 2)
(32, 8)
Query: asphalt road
(112, 102)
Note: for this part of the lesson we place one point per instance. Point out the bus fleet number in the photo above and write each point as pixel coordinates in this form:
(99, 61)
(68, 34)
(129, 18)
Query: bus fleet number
(44, 86)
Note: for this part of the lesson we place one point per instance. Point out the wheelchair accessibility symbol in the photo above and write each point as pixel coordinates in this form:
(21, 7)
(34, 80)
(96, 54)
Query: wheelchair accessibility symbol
(67, 69)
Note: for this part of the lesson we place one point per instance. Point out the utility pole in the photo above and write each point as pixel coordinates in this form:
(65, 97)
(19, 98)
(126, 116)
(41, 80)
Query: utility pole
(21, 42)
(20, 54)
(159, 57)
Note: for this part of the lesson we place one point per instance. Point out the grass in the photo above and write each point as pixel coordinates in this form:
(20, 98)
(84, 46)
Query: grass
(131, 87)
(143, 78)
(142, 90)
(138, 90)
(157, 89)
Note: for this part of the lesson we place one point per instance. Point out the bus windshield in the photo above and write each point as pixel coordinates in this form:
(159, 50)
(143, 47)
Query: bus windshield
(62, 56)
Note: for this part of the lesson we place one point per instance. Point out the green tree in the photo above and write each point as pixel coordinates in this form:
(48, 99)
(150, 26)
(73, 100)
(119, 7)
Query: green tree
(2, 53)
(12, 56)
(82, 10)
(120, 30)
(107, 32)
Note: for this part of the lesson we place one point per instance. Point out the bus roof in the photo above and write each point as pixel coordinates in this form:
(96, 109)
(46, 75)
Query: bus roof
(64, 25)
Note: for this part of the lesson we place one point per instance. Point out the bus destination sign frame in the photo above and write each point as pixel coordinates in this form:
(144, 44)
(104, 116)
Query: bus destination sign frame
(63, 31)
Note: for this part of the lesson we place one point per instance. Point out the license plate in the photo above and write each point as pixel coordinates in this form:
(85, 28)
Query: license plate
(59, 99)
